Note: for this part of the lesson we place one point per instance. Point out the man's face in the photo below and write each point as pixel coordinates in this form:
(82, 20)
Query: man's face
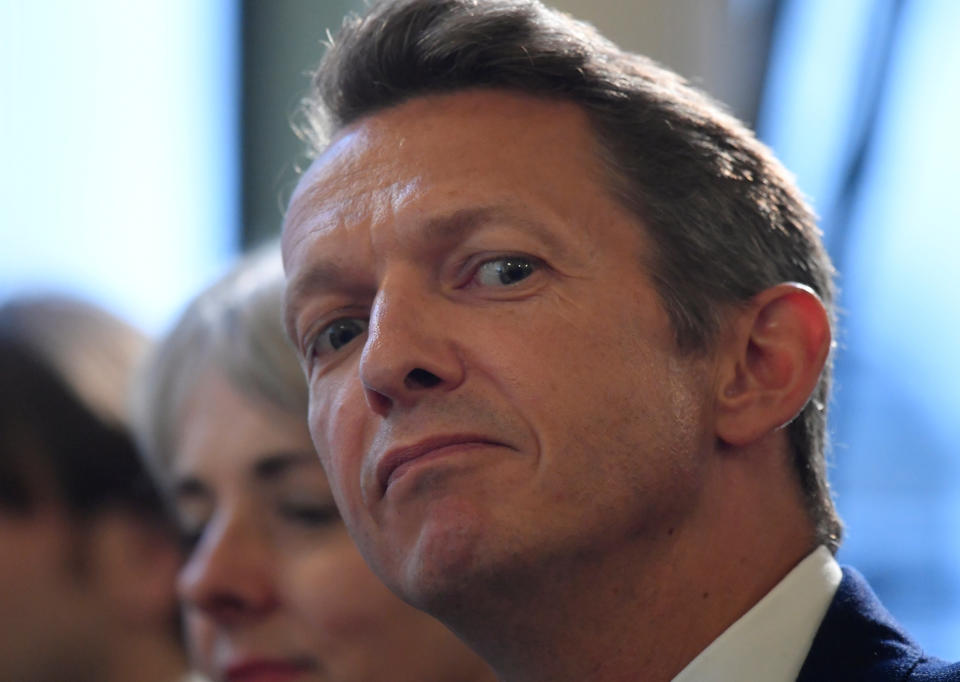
(493, 380)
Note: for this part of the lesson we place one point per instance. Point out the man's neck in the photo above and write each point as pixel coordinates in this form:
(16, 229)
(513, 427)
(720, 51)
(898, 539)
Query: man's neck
(640, 612)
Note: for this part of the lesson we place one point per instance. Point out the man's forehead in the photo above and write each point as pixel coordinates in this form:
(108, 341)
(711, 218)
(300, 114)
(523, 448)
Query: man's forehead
(468, 146)
(386, 144)
(336, 184)
(338, 167)
(483, 116)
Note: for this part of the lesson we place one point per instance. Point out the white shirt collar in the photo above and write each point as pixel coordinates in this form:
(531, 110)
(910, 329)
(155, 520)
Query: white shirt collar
(771, 640)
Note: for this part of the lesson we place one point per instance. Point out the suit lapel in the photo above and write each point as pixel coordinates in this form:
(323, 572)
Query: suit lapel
(858, 639)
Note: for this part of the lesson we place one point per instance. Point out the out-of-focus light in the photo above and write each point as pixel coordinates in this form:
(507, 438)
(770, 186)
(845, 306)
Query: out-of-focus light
(118, 126)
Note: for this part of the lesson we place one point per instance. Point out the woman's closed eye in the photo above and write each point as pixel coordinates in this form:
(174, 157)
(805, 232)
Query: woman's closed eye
(311, 515)
(308, 515)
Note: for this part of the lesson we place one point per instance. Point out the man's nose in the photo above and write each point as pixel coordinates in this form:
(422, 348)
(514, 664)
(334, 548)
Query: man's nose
(410, 350)
(228, 575)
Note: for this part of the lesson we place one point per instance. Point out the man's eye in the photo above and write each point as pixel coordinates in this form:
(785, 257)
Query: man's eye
(339, 333)
(504, 271)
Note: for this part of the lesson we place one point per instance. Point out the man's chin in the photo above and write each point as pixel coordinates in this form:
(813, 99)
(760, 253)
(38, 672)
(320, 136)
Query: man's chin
(445, 560)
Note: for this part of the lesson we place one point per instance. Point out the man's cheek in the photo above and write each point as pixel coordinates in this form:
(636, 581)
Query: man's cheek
(328, 409)
(316, 423)
(325, 431)
(338, 421)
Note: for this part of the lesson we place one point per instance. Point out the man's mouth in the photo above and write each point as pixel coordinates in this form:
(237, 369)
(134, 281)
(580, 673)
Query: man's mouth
(397, 461)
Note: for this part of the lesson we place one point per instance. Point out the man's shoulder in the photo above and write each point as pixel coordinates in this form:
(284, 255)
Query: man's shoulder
(859, 640)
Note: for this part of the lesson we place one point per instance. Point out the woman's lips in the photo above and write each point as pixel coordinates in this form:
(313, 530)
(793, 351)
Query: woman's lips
(267, 670)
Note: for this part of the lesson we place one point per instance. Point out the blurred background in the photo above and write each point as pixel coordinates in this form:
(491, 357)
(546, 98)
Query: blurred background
(144, 145)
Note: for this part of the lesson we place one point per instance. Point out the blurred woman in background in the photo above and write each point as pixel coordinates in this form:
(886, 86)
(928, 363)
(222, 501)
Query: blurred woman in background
(93, 351)
(89, 556)
(273, 587)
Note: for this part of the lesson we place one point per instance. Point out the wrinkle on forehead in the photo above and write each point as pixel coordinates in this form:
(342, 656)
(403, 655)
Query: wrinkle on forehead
(336, 190)
(461, 146)
(378, 143)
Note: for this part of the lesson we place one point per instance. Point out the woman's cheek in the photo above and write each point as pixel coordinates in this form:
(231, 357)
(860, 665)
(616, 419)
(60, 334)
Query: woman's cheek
(345, 600)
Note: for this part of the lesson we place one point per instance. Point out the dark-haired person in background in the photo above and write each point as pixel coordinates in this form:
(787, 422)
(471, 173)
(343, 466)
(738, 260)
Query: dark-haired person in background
(88, 556)
(567, 329)
(93, 351)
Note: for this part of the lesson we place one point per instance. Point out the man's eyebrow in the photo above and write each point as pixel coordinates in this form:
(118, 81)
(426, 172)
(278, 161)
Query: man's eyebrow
(460, 223)
(321, 276)
(455, 224)
(329, 275)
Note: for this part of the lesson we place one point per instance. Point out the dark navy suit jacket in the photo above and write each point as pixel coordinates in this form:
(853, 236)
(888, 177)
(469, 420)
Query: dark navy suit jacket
(859, 641)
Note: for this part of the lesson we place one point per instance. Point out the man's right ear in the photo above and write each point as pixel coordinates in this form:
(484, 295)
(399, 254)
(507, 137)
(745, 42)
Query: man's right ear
(770, 362)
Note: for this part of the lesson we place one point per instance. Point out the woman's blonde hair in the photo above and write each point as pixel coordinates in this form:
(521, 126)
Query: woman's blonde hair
(234, 326)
